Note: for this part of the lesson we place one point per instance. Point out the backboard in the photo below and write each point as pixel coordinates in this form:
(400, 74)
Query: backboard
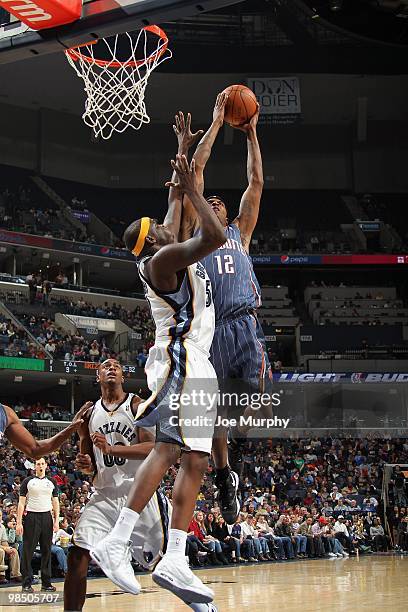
(100, 18)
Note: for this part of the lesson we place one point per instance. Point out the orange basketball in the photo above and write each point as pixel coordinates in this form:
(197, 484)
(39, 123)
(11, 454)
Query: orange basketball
(241, 105)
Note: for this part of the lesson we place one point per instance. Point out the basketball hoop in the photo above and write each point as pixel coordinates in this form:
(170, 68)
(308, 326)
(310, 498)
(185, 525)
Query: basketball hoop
(115, 88)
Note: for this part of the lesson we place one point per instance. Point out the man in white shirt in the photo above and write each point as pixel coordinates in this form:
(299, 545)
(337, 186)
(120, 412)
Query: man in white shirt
(335, 494)
(342, 533)
(260, 544)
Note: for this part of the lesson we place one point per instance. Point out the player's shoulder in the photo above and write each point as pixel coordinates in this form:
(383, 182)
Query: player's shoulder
(133, 402)
(7, 414)
(233, 229)
(24, 485)
(141, 263)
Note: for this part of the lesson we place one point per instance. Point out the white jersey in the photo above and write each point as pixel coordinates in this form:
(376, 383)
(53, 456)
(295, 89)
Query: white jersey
(184, 314)
(119, 428)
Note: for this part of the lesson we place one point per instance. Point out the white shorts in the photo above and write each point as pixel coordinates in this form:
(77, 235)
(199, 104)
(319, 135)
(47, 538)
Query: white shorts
(149, 538)
(184, 397)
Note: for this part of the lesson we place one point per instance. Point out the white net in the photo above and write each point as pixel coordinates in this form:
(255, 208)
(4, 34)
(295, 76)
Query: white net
(115, 88)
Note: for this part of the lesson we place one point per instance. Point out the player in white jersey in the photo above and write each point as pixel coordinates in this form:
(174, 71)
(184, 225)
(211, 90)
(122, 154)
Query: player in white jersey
(113, 448)
(179, 293)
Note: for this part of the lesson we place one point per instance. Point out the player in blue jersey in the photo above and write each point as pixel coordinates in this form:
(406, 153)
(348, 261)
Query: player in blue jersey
(238, 350)
(12, 428)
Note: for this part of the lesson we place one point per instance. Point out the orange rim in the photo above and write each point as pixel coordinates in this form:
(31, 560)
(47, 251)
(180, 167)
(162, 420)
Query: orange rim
(76, 55)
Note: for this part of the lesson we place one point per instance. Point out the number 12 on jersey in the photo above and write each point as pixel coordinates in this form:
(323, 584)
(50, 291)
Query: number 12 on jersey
(225, 264)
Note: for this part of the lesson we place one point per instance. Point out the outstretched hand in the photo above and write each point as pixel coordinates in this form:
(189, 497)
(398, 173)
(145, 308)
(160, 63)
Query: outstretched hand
(186, 175)
(80, 420)
(219, 107)
(182, 128)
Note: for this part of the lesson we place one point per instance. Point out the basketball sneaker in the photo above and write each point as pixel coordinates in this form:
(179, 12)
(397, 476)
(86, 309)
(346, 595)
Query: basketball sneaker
(236, 447)
(172, 573)
(227, 497)
(203, 607)
(114, 558)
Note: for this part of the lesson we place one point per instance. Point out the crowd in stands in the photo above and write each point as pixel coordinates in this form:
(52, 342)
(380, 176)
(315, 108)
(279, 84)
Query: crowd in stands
(40, 294)
(297, 242)
(138, 319)
(62, 345)
(23, 211)
(354, 305)
(305, 221)
(308, 498)
(40, 411)
(15, 342)
(37, 311)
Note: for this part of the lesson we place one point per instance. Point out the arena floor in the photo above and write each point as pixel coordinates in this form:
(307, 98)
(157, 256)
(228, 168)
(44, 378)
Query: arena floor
(365, 583)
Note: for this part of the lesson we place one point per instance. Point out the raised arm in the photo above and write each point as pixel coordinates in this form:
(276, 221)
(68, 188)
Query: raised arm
(186, 138)
(162, 268)
(249, 208)
(190, 220)
(25, 442)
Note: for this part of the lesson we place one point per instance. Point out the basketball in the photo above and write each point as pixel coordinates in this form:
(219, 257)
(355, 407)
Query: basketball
(241, 105)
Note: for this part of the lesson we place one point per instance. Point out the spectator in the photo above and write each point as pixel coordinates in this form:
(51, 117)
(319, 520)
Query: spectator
(400, 497)
(31, 281)
(198, 528)
(230, 545)
(8, 555)
(378, 535)
(342, 534)
(46, 292)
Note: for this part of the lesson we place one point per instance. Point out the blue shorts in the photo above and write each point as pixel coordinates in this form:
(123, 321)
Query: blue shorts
(239, 352)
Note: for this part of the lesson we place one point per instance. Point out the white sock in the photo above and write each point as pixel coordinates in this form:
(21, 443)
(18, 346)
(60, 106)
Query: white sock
(177, 542)
(125, 524)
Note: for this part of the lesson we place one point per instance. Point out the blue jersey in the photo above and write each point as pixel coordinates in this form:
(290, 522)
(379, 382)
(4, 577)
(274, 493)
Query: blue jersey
(234, 284)
(3, 422)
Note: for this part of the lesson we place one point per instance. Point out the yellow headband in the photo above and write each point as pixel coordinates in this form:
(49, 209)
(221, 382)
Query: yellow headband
(144, 230)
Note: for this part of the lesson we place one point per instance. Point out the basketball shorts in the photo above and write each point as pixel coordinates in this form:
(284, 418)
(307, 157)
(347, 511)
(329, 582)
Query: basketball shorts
(184, 396)
(149, 538)
(238, 352)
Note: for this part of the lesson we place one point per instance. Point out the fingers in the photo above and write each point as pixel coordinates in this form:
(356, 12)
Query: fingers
(171, 184)
(84, 409)
(182, 122)
(221, 100)
(197, 134)
(184, 163)
(180, 165)
(76, 424)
